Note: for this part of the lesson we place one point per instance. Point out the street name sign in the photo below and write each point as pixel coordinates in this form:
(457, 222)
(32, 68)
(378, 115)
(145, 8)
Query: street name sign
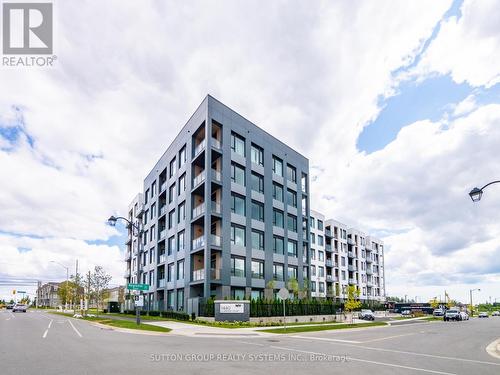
(137, 286)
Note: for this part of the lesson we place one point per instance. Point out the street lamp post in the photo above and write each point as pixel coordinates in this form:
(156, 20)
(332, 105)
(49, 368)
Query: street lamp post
(67, 279)
(138, 233)
(476, 193)
(471, 305)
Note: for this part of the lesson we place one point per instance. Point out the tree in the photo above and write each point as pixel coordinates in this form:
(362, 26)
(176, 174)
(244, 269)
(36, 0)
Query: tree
(352, 303)
(99, 281)
(66, 292)
(293, 285)
(434, 303)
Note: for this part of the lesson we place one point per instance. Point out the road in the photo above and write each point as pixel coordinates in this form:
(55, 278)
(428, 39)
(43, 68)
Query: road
(43, 343)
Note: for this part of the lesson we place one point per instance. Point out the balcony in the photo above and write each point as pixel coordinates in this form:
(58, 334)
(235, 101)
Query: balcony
(369, 283)
(163, 210)
(216, 144)
(350, 254)
(162, 234)
(199, 148)
(199, 179)
(198, 275)
(329, 263)
(216, 175)
(163, 186)
(328, 232)
(198, 242)
(128, 255)
(331, 278)
(129, 241)
(369, 260)
(369, 271)
(199, 210)
(216, 208)
(162, 258)
(127, 273)
(352, 281)
(162, 283)
(328, 248)
(215, 273)
(215, 240)
(350, 241)
(352, 268)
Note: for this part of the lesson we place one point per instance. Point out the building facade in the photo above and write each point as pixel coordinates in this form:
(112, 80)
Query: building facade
(47, 295)
(342, 256)
(225, 213)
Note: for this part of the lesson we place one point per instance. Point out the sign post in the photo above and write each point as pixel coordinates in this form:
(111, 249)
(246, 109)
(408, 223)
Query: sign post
(284, 294)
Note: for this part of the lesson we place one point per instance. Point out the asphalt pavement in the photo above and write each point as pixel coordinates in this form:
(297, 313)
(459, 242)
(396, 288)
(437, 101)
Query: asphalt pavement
(42, 343)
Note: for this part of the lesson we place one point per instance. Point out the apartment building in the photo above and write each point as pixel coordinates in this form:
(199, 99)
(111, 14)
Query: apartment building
(342, 256)
(47, 295)
(225, 213)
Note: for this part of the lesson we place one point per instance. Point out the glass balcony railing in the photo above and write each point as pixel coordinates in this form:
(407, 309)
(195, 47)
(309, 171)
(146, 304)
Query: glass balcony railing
(215, 273)
(199, 274)
(162, 283)
(198, 242)
(162, 234)
(163, 210)
(162, 258)
(199, 179)
(216, 143)
(199, 148)
(216, 175)
(216, 207)
(163, 186)
(215, 240)
(199, 210)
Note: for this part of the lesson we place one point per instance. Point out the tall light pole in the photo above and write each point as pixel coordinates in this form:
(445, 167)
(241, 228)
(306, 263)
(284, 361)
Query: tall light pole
(137, 231)
(476, 193)
(471, 305)
(67, 278)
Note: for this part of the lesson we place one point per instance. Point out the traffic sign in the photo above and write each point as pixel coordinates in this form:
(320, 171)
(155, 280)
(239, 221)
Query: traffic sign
(21, 292)
(139, 301)
(283, 293)
(138, 286)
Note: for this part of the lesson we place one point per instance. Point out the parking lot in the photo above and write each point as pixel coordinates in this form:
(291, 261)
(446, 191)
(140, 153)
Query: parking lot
(42, 343)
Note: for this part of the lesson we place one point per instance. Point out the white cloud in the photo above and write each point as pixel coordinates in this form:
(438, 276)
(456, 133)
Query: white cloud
(468, 47)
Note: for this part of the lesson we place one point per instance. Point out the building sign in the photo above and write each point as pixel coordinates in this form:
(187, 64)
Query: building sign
(231, 308)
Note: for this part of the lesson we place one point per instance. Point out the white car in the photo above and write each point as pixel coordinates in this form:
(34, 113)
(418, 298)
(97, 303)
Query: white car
(495, 313)
(464, 315)
(366, 315)
(483, 315)
(19, 307)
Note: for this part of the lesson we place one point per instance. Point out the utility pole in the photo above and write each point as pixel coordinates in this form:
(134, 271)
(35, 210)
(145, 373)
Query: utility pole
(88, 293)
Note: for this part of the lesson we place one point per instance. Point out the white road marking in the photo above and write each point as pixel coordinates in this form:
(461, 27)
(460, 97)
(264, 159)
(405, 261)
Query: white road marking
(12, 314)
(372, 362)
(7, 319)
(47, 330)
(74, 328)
(389, 337)
(494, 349)
(327, 339)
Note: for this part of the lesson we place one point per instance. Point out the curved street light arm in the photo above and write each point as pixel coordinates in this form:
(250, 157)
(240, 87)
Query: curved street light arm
(135, 226)
(490, 183)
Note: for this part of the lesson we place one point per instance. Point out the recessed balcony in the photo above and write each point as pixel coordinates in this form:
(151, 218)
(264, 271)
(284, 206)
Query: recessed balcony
(198, 275)
(198, 243)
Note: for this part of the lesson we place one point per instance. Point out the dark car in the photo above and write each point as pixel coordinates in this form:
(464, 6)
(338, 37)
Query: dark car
(10, 306)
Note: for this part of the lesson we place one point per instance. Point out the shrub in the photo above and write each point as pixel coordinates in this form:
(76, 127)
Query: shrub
(154, 313)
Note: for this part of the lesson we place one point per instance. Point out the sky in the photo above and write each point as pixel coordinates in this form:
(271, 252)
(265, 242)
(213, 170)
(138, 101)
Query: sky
(396, 104)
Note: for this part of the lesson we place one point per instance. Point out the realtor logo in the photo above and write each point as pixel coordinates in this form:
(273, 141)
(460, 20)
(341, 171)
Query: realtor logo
(27, 28)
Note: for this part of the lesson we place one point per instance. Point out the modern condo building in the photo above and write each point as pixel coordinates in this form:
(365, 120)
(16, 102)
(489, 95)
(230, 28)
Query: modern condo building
(225, 213)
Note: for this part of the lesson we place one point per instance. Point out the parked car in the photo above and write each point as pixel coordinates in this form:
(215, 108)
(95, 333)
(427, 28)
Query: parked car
(438, 312)
(406, 313)
(10, 306)
(366, 315)
(483, 315)
(495, 313)
(464, 315)
(19, 307)
(452, 314)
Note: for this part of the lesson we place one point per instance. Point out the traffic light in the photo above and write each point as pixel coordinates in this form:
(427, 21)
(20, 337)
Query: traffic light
(14, 291)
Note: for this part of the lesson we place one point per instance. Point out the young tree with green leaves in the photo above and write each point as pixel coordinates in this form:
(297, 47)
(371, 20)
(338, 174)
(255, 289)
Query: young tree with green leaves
(99, 281)
(352, 302)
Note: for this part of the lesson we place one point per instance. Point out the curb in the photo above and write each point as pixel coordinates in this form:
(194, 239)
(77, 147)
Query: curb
(127, 330)
(493, 349)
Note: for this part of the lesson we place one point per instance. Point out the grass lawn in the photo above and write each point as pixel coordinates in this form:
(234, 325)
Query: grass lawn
(433, 318)
(324, 327)
(119, 323)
